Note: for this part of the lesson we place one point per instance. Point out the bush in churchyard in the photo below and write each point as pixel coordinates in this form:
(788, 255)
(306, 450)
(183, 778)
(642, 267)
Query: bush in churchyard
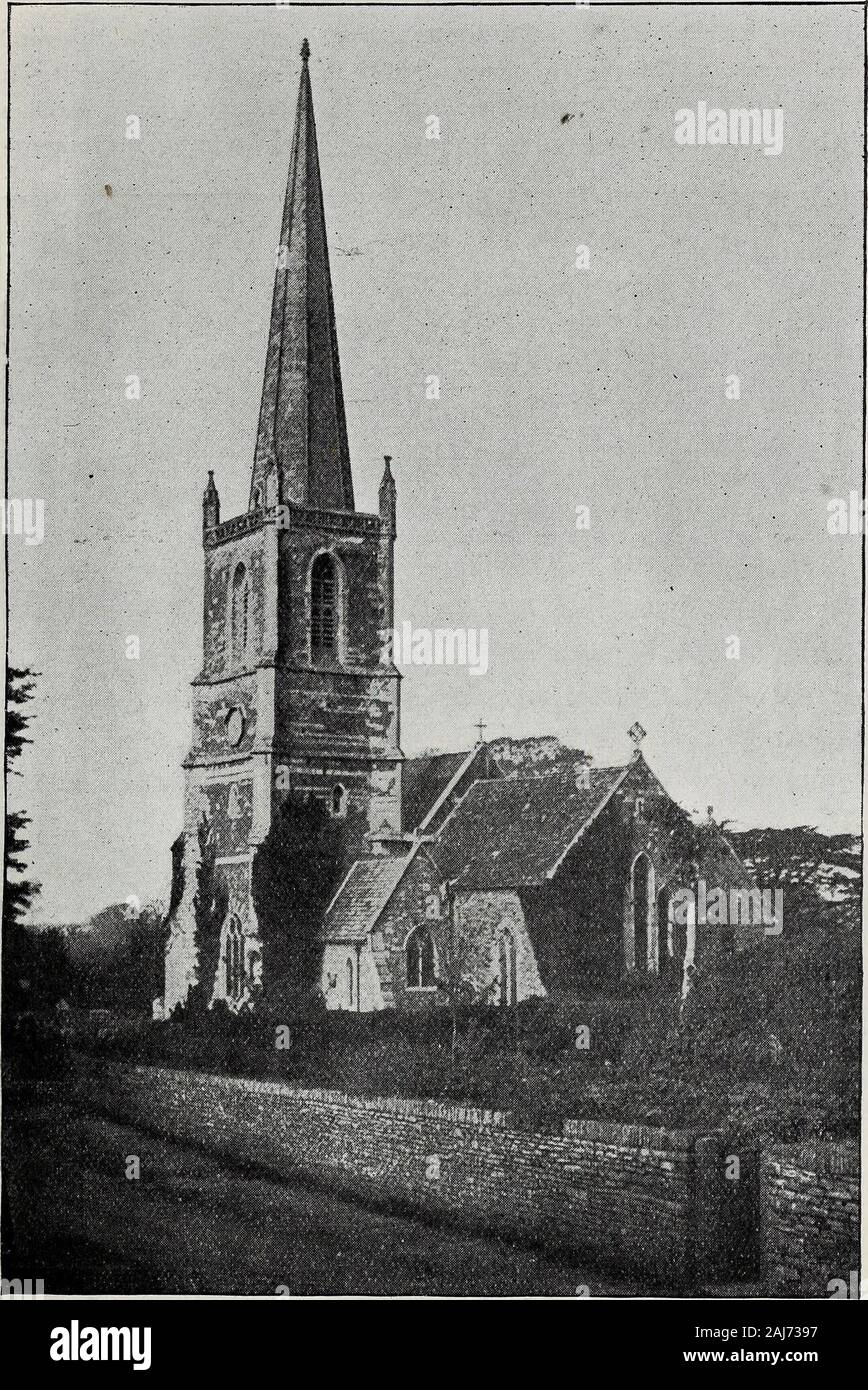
(296, 871)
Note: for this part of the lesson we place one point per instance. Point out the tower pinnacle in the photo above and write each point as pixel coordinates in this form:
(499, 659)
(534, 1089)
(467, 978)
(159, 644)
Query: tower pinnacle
(387, 496)
(210, 503)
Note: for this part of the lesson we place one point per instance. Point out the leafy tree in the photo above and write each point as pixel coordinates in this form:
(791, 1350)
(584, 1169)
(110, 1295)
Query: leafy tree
(456, 963)
(820, 875)
(26, 958)
(176, 892)
(20, 685)
(146, 954)
(210, 905)
(296, 871)
(18, 892)
(119, 957)
(37, 969)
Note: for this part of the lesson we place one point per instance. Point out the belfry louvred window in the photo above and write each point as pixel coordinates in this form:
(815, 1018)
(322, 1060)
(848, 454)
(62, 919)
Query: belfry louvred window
(324, 605)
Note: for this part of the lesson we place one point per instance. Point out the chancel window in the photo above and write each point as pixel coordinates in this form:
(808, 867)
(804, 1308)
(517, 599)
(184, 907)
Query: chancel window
(234, 959)
(643, 910)
(420, 960)
(324, 605)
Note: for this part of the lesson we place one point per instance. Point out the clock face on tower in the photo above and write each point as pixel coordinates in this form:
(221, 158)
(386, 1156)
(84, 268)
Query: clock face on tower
(235, 726)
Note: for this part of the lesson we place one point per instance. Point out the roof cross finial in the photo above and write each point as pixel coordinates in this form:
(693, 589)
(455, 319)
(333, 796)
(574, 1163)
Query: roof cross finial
(305, 51)
(481, 727)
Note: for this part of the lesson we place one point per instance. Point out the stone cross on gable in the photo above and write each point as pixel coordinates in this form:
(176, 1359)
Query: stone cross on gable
(637, 733)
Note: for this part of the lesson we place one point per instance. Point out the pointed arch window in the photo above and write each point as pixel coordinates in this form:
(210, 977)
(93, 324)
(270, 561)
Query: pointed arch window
(642, 916)
(351, 982)
(240, 612)
(234, 957)
(421, 960)
(339, 801)
(324, 606)
(506, 973)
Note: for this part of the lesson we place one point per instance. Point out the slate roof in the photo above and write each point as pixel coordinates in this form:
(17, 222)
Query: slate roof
(362, 896)
(423, 780)
(507, 832)
(514, 831)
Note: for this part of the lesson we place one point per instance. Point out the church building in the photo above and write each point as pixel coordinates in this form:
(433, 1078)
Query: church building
(297, 688)
(512, 870)
(532, 872)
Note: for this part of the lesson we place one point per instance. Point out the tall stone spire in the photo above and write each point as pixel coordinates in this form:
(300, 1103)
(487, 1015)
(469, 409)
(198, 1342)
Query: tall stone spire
(302, 454)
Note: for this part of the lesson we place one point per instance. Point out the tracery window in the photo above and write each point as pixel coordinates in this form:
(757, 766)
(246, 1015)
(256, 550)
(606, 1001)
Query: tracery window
(421, 960)
(234, 959)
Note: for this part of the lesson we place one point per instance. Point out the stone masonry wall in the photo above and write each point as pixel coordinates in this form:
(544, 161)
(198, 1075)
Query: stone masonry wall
(619, 1195)
(810, 1219)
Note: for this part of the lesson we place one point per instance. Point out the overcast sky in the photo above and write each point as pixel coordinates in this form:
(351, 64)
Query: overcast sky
(560, 387)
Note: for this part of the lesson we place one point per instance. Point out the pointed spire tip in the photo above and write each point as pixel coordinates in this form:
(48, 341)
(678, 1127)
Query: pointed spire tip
(307, 448)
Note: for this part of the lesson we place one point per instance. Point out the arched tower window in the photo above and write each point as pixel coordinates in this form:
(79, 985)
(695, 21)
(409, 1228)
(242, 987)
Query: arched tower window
(240, 612)
(234, 959)
(420, 960)
(324, 606)
(339, 800)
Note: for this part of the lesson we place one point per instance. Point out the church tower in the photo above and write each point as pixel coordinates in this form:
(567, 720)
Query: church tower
(298, 694)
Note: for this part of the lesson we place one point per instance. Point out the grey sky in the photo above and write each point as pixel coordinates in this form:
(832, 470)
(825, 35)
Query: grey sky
(559, 386)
